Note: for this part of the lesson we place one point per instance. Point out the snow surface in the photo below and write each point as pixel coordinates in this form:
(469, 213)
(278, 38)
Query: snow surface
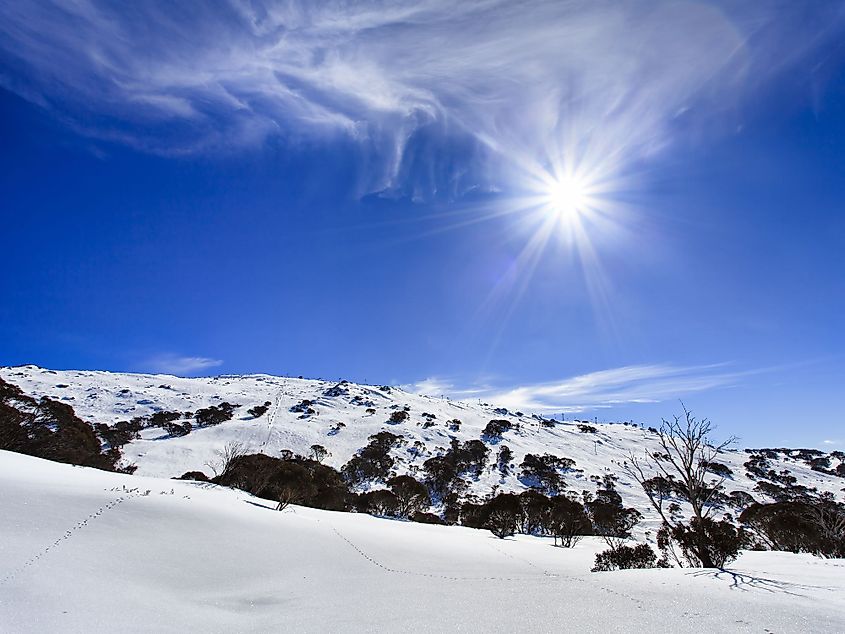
(106, 397)
(88, 551)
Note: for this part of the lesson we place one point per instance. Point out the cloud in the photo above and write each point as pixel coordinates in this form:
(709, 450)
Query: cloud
(179, 365)
(438, 95)
(601, 389)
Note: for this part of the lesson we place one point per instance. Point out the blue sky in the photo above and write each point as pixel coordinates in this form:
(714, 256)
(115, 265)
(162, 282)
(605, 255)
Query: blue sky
(367, 193)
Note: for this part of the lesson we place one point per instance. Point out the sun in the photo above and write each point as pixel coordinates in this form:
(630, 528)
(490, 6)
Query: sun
(567, 197)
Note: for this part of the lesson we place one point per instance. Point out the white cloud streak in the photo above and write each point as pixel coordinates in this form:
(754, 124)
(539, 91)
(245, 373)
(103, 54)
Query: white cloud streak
(439, 95)
(596, 390)
(179, 365)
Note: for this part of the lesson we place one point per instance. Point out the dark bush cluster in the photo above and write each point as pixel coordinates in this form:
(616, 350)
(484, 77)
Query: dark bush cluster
(530, 512)
(295, 480)
(719, 469)
(214, 414)
(259, 410)
(811, 525)
(443, 472)
(374, 461)
(587, 429)
(701, 542)
(610, 519)
(545, 472)
(340, 389)
(495, 428)
(304, 408)
(399, 416)
(49, 429)
(626, 557)
(504, 459)
(121, 432)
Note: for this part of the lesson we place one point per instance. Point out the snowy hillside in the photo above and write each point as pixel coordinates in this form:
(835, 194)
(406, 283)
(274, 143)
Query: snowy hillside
(341, 417)
(84, 550)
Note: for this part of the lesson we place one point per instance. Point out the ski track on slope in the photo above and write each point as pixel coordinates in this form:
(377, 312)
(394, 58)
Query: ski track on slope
(271, 419)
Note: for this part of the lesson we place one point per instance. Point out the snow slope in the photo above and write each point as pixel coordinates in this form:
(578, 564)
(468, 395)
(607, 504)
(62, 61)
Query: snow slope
(105, 397)
(90, 551)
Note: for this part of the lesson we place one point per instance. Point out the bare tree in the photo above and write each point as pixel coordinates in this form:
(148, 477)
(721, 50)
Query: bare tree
(681, 468)
(225, 458)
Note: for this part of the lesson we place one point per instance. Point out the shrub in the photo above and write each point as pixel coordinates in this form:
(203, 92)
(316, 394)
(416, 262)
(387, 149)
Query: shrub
(740, 499)
(544, 472)
(719, 469)
(294, 481)
(426, 518)
(176, 429)
(259, 410)
(474, 515)
(215, 414)
(160, 419)
(411, 495)
(470, 457)
(399, 416)
(568, 521)
(587, 429)
(495, 428)
(535, 512)
(504, 513)
(49, 429)
(704, 543)
(440, 474)
(814, 526)
(379, 502)
(626, 557)
(372, 462)
(121, 432)
(504, 460)
(198, 476)
(609, 518)
(304, 408)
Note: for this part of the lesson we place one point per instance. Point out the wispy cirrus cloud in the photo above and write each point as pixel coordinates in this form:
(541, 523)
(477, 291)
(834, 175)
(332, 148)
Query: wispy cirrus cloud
(179, 365)
(439, 95)
(601, 389)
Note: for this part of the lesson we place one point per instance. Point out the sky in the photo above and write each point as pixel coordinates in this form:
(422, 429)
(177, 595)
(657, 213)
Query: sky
(592, 209)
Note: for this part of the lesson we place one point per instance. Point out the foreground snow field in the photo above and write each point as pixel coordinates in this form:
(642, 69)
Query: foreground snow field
(84, 551)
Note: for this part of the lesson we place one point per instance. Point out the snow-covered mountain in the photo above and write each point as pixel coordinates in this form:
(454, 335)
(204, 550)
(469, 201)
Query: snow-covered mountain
(341, 416)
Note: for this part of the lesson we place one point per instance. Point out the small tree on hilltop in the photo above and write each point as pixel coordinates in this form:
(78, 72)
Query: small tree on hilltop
(683, 466)
(318, 453)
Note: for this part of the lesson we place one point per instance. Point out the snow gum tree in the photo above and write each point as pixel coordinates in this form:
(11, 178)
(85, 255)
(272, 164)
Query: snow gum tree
(682, 474)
